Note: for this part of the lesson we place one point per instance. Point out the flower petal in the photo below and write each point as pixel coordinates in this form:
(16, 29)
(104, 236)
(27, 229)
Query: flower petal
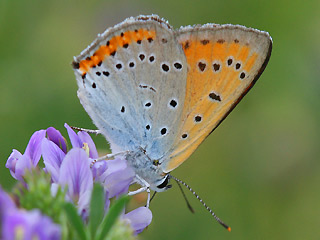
(74, 138)
(98, 169)
(52, 158)
(55, 136)
(29, 225)
(76, 174)
(118, 182)
(33, 149)
(6, 204)
(24, 163)
(102, 169)
(139, 218)
(113, 166)
(85, 138)
(12, 162)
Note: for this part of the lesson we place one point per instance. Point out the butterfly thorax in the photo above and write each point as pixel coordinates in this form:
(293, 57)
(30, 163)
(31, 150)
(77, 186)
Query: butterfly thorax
(148, 170)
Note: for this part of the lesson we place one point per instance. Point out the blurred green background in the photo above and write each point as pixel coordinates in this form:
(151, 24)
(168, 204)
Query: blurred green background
(259, 171)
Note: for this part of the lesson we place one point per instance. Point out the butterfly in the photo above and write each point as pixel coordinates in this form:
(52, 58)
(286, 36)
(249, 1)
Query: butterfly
(156, 93)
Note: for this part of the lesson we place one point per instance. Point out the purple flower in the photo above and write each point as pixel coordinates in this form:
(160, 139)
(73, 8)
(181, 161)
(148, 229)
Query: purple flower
(139, 218)
(78, 140)
(55, 136)
(6, 204)
(114, 175)
(12, 162)
(18, 163)
(52, 158)
(72, 170)
(28, 225)
(75, 173)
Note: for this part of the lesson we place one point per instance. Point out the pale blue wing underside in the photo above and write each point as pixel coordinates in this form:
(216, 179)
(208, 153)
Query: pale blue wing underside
(136, 96)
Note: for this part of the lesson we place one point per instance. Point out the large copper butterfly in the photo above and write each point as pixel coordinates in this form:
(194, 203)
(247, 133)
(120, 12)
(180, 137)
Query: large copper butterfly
(156, 93)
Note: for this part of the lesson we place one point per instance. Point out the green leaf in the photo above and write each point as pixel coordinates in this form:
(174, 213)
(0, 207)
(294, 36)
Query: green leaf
(38, 195)
(96, 209)
(75, 220)
(110, 219)
(121, 230)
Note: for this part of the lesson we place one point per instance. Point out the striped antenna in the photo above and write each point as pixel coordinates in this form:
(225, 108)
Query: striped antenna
(203, 203)
(185, 197)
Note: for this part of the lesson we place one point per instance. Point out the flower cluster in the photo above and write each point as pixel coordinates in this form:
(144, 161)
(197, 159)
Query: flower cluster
(71, 171)
(20, 224)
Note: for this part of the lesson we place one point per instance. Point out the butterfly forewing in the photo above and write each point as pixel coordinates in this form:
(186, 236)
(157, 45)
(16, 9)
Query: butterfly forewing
(146, 86)
(132, 82)
(223, 64)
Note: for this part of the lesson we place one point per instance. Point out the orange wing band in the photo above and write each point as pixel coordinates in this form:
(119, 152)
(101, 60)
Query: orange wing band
(112, 45)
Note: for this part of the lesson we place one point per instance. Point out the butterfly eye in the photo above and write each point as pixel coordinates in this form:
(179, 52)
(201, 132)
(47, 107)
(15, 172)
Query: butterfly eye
(164, 183)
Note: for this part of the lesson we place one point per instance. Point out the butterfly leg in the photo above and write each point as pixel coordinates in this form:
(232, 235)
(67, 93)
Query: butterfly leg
(86, 130)
(140, 190)
(146, 187)
(148, 199)
(108, 157)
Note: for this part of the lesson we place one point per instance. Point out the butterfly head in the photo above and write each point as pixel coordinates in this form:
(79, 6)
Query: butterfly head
(164, 185)
(148, 172)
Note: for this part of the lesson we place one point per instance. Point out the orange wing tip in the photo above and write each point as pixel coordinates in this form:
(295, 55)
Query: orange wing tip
(229, 229)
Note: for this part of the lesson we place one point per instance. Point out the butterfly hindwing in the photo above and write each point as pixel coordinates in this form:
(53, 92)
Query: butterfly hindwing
(223, 64)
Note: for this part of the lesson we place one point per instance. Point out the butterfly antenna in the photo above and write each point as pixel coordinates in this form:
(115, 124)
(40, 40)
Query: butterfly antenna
(185, 197)
(203, 203)
(86, 130)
